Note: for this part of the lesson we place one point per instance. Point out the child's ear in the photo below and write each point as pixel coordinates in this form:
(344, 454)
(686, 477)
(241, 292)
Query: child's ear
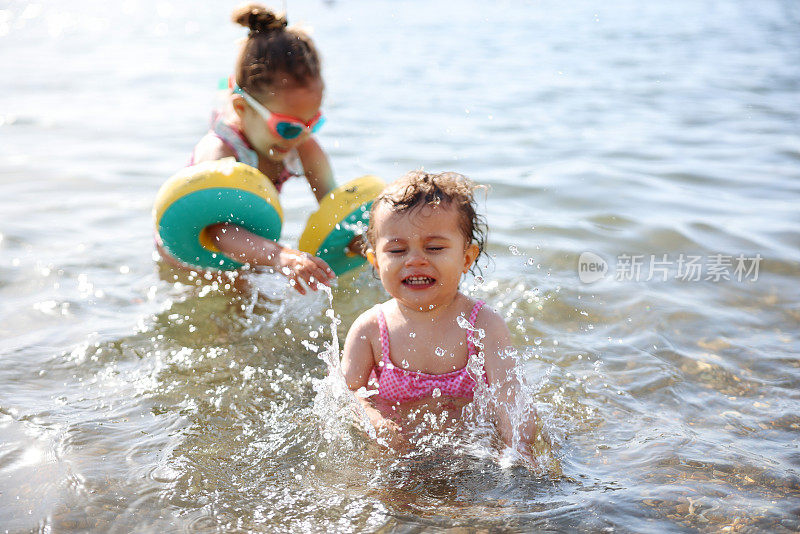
(371, 258)
(238, 104)
(470, 255)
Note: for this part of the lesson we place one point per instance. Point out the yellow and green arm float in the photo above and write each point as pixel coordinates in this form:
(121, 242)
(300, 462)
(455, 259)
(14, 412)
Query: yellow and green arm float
(232, 192)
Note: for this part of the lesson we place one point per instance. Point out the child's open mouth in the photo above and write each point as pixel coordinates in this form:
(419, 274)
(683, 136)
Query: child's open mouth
(279, 149)
(419, 281)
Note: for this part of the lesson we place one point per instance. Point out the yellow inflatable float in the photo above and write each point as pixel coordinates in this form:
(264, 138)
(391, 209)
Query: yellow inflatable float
(342, 215)
(210, 193)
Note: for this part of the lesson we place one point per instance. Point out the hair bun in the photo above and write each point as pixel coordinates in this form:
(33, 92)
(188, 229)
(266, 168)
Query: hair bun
(258, 18)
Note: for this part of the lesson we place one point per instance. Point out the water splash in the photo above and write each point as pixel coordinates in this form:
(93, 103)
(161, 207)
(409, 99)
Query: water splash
(514, 398)
(335, 403)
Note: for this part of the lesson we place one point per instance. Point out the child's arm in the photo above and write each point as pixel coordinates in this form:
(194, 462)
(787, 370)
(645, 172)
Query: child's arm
(358, 361)
(500, 373)
(320, 178)
(242, 245)
(317, 168)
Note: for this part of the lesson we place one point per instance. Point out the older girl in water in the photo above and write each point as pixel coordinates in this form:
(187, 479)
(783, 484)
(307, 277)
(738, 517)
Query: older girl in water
(268, 121)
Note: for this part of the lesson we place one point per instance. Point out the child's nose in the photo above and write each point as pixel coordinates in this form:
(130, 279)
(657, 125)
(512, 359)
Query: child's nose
(416, 257)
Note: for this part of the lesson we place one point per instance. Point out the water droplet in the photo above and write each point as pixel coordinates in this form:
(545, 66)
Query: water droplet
(404, 364)
(537, 341)
(313, 334)
(478, 279)
(439, 351)
(530, 262)
(287, 331)
(412, 334)
(436, 393)
(514, 250)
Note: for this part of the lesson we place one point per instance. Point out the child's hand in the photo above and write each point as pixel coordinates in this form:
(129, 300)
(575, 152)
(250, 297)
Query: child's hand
(391, 433)
(303, 266)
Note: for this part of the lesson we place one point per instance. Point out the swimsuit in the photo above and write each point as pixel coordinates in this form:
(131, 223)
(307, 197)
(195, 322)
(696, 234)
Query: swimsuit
(246, 154)
(400, 385)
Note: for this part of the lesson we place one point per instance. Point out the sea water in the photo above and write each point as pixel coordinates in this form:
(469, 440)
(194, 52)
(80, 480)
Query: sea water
(642, 159)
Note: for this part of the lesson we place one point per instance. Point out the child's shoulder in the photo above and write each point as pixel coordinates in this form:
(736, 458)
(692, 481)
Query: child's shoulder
(496, 336)
(363, 337)
(488, 317)
(367, 323)
(211, 147)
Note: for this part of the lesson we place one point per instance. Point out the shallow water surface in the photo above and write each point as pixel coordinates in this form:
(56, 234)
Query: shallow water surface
(661, 138)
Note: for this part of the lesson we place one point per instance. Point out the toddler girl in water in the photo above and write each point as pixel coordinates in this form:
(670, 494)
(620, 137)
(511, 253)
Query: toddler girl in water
(271, 112)
(424, 234)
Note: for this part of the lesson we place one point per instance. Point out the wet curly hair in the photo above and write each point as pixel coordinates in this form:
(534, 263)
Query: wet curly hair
(417, 189)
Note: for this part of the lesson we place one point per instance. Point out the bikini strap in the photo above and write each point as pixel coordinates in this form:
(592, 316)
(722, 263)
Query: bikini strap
(473, 315)
(235, 140)
(384, 334)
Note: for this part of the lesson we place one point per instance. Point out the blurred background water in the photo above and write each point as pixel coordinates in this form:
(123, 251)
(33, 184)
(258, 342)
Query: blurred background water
(646, 133)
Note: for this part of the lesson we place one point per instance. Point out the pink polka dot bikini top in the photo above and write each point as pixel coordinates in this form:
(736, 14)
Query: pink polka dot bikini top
(400, 385)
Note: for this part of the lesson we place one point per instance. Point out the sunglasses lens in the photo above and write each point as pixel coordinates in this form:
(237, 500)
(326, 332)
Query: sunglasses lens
(287, 130)
(318, 125)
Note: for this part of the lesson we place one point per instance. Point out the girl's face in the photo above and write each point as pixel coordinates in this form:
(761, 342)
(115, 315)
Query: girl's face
(420, 255)
(298, 102)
